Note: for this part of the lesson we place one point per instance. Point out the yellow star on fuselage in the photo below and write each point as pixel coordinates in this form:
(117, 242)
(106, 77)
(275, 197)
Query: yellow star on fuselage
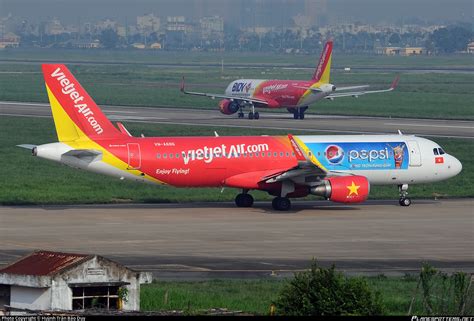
(353, 189)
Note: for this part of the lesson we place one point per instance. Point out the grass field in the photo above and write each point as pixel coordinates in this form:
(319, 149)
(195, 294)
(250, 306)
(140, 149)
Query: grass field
(429, 95)
(30, 180)
(256, 296)
(255, 58)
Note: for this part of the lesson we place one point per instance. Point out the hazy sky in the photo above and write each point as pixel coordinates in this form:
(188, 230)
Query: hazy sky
(372, 11)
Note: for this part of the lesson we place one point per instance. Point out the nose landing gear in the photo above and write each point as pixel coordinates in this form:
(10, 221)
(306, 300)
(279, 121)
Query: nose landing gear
(404, 199)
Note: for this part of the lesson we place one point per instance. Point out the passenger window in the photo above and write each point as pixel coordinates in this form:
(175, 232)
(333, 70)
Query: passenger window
(158, 155)
(263, 154)
(275, 154)
(171, 155)
(435, 151)
(251, 155)
(257, 154)
(269, 154)
(177, 155)
(287, 154)
(293, 154)
(165, 155)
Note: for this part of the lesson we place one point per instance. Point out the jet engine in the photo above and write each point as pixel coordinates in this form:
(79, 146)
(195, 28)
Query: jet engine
(343, 189)
(228, 107)
(328, 88)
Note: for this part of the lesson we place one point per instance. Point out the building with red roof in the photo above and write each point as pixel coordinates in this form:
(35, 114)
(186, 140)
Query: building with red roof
(45, 280)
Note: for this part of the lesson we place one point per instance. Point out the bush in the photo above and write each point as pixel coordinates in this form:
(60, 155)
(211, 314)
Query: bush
(321, 291)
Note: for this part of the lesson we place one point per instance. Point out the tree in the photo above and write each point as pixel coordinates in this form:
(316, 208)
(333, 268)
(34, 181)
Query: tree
(394, 39)
(109, 38)
(450, 39)
(323, 291)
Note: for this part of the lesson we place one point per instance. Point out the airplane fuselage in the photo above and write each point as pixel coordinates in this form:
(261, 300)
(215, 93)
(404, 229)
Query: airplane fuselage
(278, 93)
(210, 161)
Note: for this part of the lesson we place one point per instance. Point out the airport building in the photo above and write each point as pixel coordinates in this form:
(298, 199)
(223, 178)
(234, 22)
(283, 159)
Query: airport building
(46, 280)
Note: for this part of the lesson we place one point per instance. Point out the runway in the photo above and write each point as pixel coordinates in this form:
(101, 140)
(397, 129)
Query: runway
(316, 124)
(214, 240)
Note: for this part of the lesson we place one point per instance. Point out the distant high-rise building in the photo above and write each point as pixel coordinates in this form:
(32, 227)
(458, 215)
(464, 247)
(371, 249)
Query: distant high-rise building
(212, 27)
(148, 23)
(316, 11)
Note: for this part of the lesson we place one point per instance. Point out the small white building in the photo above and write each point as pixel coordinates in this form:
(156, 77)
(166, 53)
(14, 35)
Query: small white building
(46, 280)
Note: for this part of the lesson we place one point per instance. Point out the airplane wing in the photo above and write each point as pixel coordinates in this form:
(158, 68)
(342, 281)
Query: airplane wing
(214, 96)
(338, 94)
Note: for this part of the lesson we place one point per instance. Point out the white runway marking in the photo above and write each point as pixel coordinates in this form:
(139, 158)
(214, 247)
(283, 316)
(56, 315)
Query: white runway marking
(428, 125)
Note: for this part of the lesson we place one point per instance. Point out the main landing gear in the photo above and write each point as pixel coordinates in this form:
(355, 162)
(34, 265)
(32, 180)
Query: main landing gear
(244, 199)
(298, 113)
(404, 199)
(252, 115)
(281, 203)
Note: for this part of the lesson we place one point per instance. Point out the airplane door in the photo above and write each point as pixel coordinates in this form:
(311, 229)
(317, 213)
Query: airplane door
(414, 151)
(134, 156)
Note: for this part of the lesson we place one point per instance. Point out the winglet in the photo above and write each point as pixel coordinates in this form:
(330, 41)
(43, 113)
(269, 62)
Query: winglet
(299, 154)
(303, 153)
(182, 86)
(123, 130)
(395, 82)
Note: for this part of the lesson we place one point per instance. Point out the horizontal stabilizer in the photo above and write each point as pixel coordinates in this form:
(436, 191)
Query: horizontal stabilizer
(27, 146)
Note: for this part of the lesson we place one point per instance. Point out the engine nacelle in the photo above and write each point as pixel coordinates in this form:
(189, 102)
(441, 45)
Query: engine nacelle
(343, 189)
(228, 107)
(328, 88)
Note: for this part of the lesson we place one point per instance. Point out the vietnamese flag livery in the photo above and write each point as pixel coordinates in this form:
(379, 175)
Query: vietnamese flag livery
(339, 168)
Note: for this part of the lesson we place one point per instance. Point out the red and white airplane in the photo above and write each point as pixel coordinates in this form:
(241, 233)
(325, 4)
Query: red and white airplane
(294, 95)
(340, 168)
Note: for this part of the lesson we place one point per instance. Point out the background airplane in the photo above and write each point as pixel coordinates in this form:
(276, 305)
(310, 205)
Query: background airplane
(340, 168)
(295, 95)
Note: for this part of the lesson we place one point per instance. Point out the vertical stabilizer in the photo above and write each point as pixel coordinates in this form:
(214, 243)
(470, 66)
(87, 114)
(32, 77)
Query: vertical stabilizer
(75, 113)
(323, 69)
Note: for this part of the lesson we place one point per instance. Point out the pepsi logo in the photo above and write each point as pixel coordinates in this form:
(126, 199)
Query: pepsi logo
(334, 154)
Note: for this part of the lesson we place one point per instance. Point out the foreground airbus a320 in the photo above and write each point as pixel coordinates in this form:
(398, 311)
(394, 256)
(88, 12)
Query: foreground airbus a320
(294, 95)
(340, 168)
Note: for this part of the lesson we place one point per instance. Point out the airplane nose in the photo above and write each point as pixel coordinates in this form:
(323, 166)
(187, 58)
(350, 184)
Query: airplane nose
(456, 166)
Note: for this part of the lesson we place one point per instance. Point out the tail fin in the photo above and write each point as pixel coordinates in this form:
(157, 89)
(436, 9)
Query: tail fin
(75, 114)
(323, 69)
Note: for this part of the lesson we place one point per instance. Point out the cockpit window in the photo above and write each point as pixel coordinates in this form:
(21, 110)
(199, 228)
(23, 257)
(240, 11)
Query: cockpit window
(435, 151)
(441, 151)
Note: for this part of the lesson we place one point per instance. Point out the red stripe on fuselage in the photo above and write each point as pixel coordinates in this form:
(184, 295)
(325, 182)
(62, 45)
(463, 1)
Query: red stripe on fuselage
(286, 93)
(206, 161)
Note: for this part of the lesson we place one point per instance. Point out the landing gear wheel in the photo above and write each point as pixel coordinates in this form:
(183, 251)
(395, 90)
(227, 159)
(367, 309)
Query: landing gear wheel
(256, 115)
(244, 200)
(296, 115)
(251, 115)
(241, 115)
(281, 203)
(404, 201)
(301, 114)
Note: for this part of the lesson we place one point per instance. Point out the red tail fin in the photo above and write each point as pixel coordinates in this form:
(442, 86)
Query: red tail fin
(324, 66)
(72, 106)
